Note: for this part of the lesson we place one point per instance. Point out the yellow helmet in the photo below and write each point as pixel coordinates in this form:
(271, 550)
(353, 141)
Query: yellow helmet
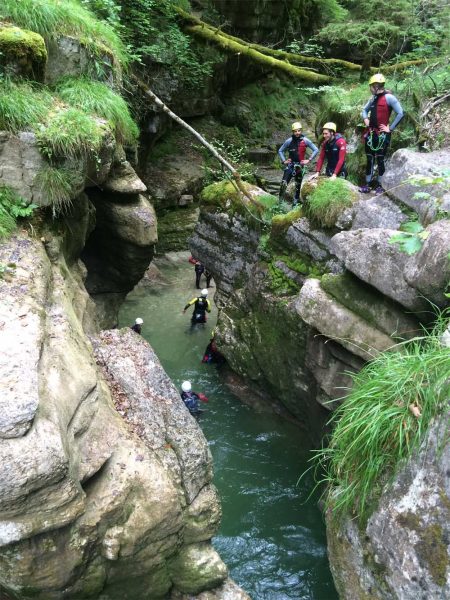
(296, 125)
(377, 78)
(330, 125)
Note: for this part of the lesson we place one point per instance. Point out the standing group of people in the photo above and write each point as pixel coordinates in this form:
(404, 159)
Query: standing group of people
(377, 135)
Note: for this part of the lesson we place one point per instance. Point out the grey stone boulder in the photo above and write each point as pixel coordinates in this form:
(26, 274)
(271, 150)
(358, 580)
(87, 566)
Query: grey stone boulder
(67, 57)
(369, 255)
(402, 165)
(322, 312)
(197, 567)
(132, 222)
(305, 238)
(123, 179)
(428, 271)
(20, 162)
(374, 212)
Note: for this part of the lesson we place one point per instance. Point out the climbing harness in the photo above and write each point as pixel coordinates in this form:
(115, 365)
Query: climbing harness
(381, 141)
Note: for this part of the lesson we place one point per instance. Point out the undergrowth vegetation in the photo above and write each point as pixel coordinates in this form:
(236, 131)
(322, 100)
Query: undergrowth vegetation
(327, 200)
(386, 415)
(12, 207)
(70, 132)
(23, 105)
(59, 184)
(52, 18)
(96, 98)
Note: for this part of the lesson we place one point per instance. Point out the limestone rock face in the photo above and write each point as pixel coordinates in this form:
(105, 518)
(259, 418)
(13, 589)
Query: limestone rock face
(227, 246)
(67, 57)
(95, 501)
(402, 165)
(403, 551)
(429, 270)
(369, 254)
(335, 321)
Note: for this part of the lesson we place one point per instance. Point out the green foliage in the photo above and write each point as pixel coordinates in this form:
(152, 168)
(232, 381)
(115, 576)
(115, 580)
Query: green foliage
(235, 154)
(97, 98)
(152, 30)
(22, 106)
(375, 428)
(279, 282)
(69, 132)
(52, 18)
(12, 207)
(411, 237)
(107, 10)
(58, 184)
(389, 27)
(253, 103)
(327, 201)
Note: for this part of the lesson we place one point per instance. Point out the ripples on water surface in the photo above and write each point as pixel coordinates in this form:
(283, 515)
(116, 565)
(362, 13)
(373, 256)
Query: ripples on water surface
(272, 538)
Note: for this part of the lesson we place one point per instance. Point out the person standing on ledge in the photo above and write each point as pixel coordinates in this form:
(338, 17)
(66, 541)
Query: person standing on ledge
(137, 327)
(296, 146)
(199, 268)
(377, 136)
(334, 149)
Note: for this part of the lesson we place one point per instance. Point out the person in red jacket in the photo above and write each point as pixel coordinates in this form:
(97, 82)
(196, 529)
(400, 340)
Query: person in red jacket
(334, 150)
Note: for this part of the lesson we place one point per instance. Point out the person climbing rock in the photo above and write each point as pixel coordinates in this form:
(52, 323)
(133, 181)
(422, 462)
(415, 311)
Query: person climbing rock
(199, 269)
(333, 149)
(295, 146)
(208, 276)
(201, 306)
(377, 136)
(191, 399)
(211, 354)
(137, 327)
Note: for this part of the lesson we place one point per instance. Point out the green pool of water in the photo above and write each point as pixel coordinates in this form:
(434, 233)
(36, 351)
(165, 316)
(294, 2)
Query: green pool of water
(272, 535)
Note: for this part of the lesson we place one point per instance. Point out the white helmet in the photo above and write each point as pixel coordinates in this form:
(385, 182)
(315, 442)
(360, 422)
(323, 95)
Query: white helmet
(204, 292)
(139, 321)
(186, 386)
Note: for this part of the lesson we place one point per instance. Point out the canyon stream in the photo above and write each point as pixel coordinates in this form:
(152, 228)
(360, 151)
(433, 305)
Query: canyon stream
(272, 535)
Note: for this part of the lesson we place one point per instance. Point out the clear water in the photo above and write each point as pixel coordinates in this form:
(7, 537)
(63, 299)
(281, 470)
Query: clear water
(272, 535)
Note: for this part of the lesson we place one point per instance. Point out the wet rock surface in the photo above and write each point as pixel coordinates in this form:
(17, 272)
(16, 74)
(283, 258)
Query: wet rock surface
(95, 498)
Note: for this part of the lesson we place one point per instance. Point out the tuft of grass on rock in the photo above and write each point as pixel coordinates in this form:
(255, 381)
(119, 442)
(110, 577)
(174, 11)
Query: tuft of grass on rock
(69, 132)
(22, 106)
(59, 185)
(97, 98)
(375, 428)
(327, 201)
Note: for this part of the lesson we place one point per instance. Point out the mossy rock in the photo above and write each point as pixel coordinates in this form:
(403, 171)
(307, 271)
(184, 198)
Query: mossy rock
(22, 52)
(325, 201)
(281, 223)
(225, 196)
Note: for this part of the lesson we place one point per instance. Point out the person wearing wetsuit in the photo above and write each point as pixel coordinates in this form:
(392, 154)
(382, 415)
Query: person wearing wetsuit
(377, 137)
(137, 327)
(190, 398)
(208, 276)
(199, 268)
(201, 306)
(334, 150)
(295, 146)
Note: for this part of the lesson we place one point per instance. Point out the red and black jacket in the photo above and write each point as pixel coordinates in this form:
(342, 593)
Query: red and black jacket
(334, 151)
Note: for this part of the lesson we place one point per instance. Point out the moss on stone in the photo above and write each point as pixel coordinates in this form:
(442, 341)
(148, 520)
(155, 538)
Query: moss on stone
(432, 550)
(281, 223)
(23, 50)
(279, 282)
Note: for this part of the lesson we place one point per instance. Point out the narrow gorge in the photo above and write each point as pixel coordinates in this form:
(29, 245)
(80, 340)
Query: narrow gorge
(107, 484)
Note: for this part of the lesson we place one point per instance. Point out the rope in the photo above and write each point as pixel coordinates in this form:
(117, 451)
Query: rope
(381, 141)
